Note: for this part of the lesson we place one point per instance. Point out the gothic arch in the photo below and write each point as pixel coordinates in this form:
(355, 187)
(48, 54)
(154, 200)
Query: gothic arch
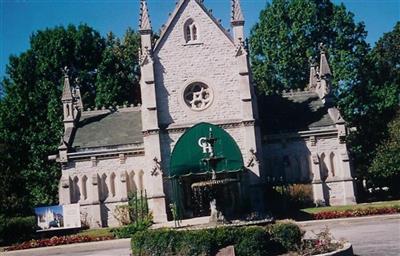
(323, 167)
(112, 184)
(140, 180)
(190, 31)
(132, 188)
(103, 187)
(75, 190)
(84, 187)
(333, 164)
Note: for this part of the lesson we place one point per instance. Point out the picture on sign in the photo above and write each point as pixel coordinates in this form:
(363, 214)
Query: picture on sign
(58, 217)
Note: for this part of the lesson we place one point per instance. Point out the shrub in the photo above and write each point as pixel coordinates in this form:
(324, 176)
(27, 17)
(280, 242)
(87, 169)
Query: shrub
(128, 230)
(286, 234)
(247, 241)
(16, 229)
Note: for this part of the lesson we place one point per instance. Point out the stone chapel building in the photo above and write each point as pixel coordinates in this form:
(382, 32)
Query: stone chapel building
(196, 84)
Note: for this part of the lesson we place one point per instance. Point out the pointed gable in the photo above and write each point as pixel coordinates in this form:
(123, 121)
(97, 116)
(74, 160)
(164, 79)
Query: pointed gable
(177, 14)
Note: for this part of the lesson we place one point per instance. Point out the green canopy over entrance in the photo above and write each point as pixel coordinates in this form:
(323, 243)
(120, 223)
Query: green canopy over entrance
(193, 148)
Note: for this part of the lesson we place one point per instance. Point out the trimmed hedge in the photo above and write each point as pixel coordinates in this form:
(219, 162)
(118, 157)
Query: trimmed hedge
(16, 229)
(128, 230)
(255, 241)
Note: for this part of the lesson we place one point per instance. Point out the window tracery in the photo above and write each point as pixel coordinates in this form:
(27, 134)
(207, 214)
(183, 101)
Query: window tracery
(198, 96)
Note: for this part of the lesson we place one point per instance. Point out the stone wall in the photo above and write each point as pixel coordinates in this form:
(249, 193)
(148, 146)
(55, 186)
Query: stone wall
(210, 59)
(322, 161)
(98, 185)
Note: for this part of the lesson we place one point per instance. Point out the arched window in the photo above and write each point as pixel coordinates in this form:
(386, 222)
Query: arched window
(140, 182)
(190, 31)
(131, 182)
(112, 184)
(84, 187)
(103, 187)
(75, 190)
(323, 167)
(333, 163)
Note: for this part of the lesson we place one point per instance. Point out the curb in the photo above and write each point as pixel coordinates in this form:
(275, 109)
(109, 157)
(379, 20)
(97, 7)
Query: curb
(77, 247)
(385, 216)
(347, 250)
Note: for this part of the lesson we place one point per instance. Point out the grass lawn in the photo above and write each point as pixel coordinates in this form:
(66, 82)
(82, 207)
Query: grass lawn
(350, 207)
(98, 232)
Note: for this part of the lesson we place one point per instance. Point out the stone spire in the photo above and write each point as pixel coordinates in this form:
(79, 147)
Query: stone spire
(324, 69)
(144, 25)
(237, 14)
(313, 74)
(237, 22)
(67, 93)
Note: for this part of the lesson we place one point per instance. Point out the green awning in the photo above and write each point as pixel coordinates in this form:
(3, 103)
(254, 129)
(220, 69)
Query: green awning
(192, 152)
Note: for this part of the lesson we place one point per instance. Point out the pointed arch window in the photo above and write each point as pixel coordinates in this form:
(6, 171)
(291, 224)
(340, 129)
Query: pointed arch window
(112, 184)
(190, 31)
(84, 187)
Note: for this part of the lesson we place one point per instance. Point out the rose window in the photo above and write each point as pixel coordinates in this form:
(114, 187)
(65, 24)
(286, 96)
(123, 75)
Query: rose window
(198, 96)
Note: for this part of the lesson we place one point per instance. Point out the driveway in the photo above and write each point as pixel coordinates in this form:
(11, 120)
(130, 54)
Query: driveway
(375, 235)
(370, 236)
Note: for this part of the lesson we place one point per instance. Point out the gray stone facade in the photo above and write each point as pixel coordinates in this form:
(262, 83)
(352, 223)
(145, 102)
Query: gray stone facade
(196, 72)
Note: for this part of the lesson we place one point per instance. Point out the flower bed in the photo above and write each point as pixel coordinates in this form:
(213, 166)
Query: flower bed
(57, 240)
(355, 212)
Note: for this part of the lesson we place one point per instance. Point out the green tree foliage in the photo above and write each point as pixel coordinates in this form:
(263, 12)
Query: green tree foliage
(288, 34)
(118, 74)
(373, 103)
(31, 110)
(385, 168)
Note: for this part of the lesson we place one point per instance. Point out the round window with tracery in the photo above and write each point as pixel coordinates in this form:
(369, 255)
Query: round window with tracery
(198, 96)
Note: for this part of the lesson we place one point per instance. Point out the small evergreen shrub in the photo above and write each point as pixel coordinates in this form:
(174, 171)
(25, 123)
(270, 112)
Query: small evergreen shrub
(287, 234)
(255, 241)
(16, 229)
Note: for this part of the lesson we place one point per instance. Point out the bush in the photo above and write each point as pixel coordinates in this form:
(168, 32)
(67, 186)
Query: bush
(247, 241)
(287, 234)
(16, 229)
(128, 230)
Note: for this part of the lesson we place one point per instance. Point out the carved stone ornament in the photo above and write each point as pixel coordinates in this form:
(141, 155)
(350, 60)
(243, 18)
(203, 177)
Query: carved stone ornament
(65, 183)
(94, 179)
(156, 170)
(253, 159)
(315, 158)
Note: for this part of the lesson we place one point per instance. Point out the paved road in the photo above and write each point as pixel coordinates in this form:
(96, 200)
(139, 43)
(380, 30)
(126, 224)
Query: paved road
(370, 236)
(375, 236)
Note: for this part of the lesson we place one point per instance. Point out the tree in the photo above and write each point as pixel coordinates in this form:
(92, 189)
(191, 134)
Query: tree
(385, 167)
(373, 103)
(118, 73)
(288, 34)
(30, 112)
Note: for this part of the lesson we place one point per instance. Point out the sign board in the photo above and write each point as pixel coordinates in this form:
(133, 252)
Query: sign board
(58, 217)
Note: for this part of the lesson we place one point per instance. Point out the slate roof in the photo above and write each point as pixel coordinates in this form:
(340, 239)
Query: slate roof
(292, 112)
(108, 128)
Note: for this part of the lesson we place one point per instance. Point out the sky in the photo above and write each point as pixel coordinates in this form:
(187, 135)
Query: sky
(20, 18)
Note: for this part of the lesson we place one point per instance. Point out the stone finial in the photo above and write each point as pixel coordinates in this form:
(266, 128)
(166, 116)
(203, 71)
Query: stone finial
(237, 14)
(144, 17)
(67, 93)
(324, 69)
